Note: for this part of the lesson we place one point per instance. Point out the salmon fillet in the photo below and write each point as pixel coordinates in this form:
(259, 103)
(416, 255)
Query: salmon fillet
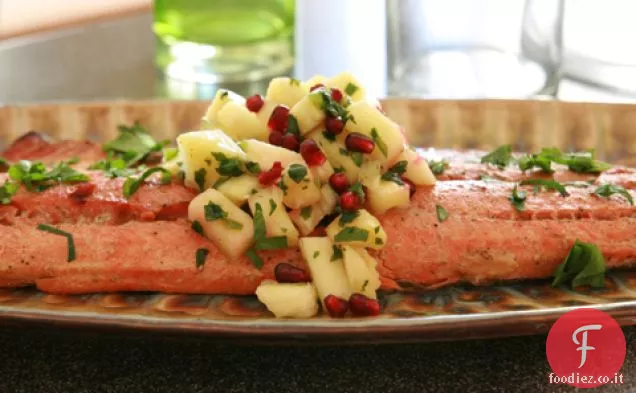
(35, 146)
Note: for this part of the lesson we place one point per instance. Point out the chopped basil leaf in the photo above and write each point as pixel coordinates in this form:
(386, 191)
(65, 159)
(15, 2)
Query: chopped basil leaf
(607, 190)
(254, 258)
(584, 265)
(131, 185)
(500, 157)
(352, 234)
(305, 212)
(348, 217)
(329, 136)
(196, 226)
(394, 173)
(548, 184)
(272, 206)
(213, 212)
(379, 142)
(70, 243)
(271, 243)
(438, 167)
(292, 125)
(253, 167)
(316, 254)
(7, 191)
(518, 199)
(230, 167)
(351, 89)
(442, 214)
(201, 255)
(199, 178)
(364, 285)
(297, 172)
(336, 253)
(357, 189)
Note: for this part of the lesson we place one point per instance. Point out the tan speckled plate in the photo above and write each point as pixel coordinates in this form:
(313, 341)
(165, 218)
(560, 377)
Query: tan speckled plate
(456, 312)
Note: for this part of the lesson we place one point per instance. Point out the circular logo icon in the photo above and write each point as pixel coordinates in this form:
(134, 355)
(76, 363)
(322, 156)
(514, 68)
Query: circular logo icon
(585, 349)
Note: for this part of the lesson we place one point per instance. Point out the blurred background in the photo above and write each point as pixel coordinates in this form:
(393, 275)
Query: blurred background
(574, 50)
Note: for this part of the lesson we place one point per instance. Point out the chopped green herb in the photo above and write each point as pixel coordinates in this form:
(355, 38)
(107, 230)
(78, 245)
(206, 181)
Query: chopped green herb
(518, 199)
(70, 243)
(35, 176)
(305, 212)
(7, 191)
(442, 214)
(582, 162)
(254, 258)
(357, 158)
(201, 255)
(224, 94)
(169, 153)
(379, 241)
(115, 167)
(196, 226)
(323, 100)
(352, 234)
(294, 82)
(131, 185)
(297, 172)
(316, 254)
(535, 160)
(336, 253)
(292, 125)
(357, 189)
(548, 184)
(394, 173)
(584, 265)
(214, 212)
(364, 285)
(607, 190)
(271, 243)
(329, 136)
(199, 178)
(253, 167)
(376, 230)
(500, 157)
(281, 184)
(348, 217)
(272, 206)
(438, 167)
(230, 167)
(262, 242)
(351, 88)
(133, 144)
(379, 142)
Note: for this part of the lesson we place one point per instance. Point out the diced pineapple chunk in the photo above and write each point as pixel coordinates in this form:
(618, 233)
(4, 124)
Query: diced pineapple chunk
(239, 189)
(386, 195)
(233, 233)
(363, 278)
(221, 98)
(306, 219)
(417, 169)
(322, 172)
(288, 300)
(338, 156)
(364, 231)
(277, 221)
(266, 112)
(328, 199)
(369, 121)
(329, 277)
(299, 187)
(199, 164)
(347, 83)
(265, 154)
(238, 122)
(308, 112)
(286, 91)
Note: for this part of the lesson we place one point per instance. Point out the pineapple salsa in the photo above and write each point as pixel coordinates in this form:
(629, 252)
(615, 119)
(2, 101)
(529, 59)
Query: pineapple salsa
(313, 162)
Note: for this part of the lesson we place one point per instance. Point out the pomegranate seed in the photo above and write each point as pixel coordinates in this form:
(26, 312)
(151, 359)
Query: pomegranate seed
(269, 177)
(349, 201)
(336, 94)
(334, 125)
(363, 306)
(275, 138)
(339, 182)
(82, 191)
(290, 141)
(411, 186)
(254, 103)
(316, 86)
(311, 153)
(336, 306)
(358, 142)
(279, 119)
(288, 273)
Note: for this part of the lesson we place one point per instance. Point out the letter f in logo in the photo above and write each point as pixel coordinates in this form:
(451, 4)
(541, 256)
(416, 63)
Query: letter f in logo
(583, 344)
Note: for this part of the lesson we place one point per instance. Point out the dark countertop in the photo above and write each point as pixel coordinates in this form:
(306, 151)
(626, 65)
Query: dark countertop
(60, 362)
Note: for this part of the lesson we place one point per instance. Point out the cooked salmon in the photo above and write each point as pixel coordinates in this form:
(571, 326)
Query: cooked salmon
(145, 243)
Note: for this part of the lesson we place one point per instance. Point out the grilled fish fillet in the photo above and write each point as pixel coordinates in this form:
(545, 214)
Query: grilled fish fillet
(142, 249)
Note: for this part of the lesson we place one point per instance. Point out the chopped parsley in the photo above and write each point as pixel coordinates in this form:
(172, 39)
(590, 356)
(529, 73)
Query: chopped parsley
(348, 217)
(584, 265)
(253, 167)
(272, 206)
(336, 253)
(581, 162)
(297, 172)
(230, 167)
(535, 160)
(364, 285)
(379, 241)
(442, 214)
(352, 234)
(70, 243)
(376, 230)
(357, 189)
(132, 184)
(201, 255)
(199, 178)
(355, 156)
(294, 82)
(292, 125)
(323, 100)
(548, 184)
(316, 254)
(7, 191)
(500, 157)
(133, 144)
(351, 89)
(261, 241)
(305, 212)
(114, 166)
(607, 190)
(254, 258)
(518, 199)
(214, 212)
(196, 226)
(223, 94)
(438, 167)
(394, 173)
(379, 142)
(35, 176)
(329, 136)
(170, 153)
(283, 187)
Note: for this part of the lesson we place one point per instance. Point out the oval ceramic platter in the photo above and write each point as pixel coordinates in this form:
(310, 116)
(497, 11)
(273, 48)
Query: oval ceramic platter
(457, 312)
